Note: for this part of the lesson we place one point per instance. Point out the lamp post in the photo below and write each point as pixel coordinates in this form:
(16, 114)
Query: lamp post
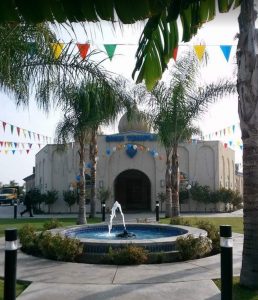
(188, 187)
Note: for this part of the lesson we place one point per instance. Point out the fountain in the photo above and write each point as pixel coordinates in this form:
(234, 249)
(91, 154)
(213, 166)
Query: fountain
(125, 233)
(97, 239)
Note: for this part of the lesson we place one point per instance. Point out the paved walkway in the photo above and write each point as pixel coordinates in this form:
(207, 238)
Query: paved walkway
(71, 281)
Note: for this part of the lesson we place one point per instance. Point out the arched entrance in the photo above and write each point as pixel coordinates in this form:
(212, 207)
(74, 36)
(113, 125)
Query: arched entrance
(133, 190)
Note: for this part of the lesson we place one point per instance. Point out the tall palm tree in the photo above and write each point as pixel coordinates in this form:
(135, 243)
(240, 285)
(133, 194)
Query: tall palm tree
(86, 107)
(176, 106)
(29, 63)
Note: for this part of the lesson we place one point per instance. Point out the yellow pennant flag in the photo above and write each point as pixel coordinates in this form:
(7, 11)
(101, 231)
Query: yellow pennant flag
(57, 49)
(199, 51)
(5, 151)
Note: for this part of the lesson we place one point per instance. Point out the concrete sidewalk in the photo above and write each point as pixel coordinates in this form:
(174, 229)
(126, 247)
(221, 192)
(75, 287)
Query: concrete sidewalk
(189, 280)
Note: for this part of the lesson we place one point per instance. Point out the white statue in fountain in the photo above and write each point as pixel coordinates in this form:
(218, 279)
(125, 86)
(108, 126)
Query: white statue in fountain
(113, 214)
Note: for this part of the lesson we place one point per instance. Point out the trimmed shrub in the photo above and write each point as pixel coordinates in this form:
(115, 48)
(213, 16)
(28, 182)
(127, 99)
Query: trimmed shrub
(190, 247)
(129, 255)
(213, 234)
(179, 221)
(59, 247)
(53, 223)
(45, 244)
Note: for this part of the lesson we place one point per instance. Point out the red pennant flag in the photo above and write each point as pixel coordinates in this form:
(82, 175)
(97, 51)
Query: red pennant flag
(4, 124)
(83, 49)
(28, 150)
(225, 145)
(18, 130)
(175, 51)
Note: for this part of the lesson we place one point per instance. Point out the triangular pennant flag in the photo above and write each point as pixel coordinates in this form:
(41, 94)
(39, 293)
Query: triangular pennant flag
(15, 145)
(13, 151)
(1, 143)
(241, 147)
(110, 48)
(4, 124)
(11, 129)
(233, 128)
(175, 51)
(28, 150)
(230, 143)
(6, 151)
(38, 137)
(83, 49)
(29, 134)
(24, 132)
(10, 144)
(225, 145)
(34, 135)
(18, 130)
(39, 145)
(5, 144)
(30, 145)
(216, 133)
(224, 130)
(199, 50)
(57, 49)
(226, 49)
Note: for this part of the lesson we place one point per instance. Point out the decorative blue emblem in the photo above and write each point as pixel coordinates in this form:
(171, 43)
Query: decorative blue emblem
(131, 150)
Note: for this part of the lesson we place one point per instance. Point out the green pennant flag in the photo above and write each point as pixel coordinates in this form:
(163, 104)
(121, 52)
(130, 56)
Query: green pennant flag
(110, 48)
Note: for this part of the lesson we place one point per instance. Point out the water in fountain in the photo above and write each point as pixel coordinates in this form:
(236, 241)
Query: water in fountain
(113, 214)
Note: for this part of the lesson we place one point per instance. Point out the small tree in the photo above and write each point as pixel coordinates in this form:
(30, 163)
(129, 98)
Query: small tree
(162, 198)
(70, 198)
(103, 194)
(51, 198)
(37, 198)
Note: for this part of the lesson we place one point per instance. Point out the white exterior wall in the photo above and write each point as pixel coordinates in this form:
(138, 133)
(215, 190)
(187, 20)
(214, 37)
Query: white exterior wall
(201, 162)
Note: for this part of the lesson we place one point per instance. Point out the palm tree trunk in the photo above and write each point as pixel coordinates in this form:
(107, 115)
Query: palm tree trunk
(93, 154)
(168, 190)
(248, 114)
(175, 183)
(82, 208)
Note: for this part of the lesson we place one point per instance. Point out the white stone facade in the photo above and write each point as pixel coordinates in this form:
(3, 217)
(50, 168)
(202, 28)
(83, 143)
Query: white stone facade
(134, 181)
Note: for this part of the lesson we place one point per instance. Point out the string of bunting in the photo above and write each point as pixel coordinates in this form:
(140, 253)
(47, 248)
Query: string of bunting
(83, 49)
(26, 133)
(15, 145)
(14, 151)
(229, 133)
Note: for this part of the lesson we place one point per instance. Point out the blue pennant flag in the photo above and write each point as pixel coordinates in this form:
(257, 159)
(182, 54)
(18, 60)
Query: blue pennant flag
(226, 49)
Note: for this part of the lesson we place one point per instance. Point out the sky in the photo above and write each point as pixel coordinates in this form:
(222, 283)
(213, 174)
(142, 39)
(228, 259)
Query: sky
(221, 115)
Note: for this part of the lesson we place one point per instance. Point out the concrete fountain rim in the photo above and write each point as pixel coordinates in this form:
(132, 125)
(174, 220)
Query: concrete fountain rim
(196, 232)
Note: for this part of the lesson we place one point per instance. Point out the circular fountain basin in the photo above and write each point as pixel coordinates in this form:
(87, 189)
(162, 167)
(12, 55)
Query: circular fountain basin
(152, 237)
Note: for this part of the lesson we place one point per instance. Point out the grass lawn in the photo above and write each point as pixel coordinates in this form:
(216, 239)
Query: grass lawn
(38, 223)
(240, 293)
(235, 222)
(20, 287)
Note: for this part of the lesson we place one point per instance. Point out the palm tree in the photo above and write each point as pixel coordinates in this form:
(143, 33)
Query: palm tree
(86, 107)
(28, 63)
(176, 106)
